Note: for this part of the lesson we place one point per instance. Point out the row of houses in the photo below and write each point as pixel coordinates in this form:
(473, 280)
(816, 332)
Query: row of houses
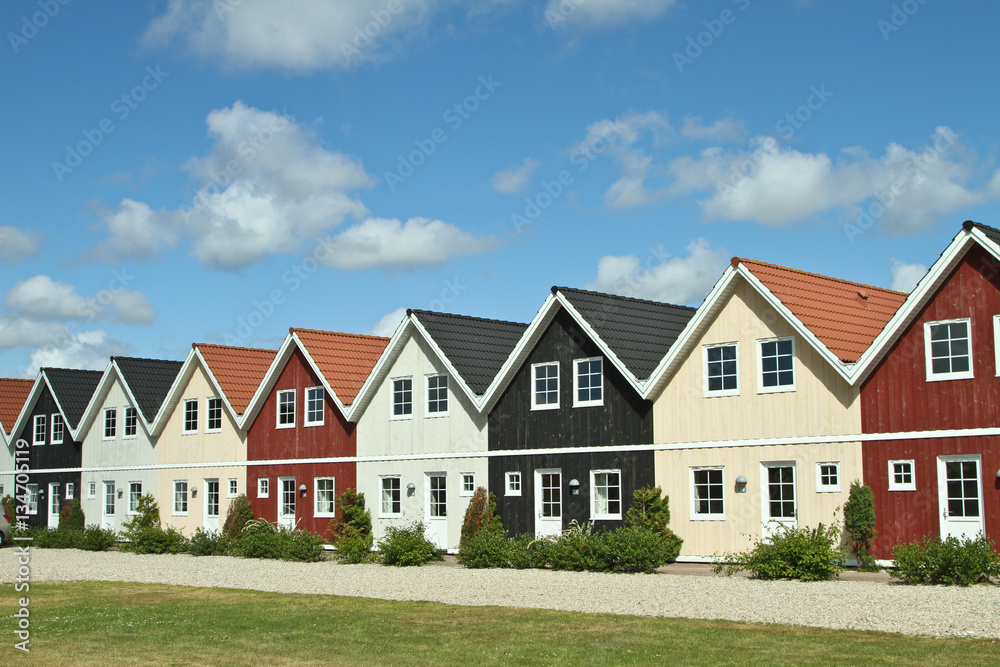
(754, 410)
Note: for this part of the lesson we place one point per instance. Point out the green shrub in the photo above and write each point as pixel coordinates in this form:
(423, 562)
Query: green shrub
(355, 549)
(486, 548)
(637, 549)
(407, 545)
(577, 549)
(528, 551)
(10, 507)
(239, 514)
(55, 538)
(208, 543)
(949, 561)
(809, 554)
(859, 525)
(479, 515)
(147, 515)
(301, 545)
(71, 515)
(155, 540)
(95, 538)
(650, 509)
(352, 518)
(262, 539)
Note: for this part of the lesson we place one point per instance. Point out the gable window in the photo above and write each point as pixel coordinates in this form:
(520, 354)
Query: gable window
(286, 408)
(191, 415)
(588, 382)
(391, 500)
(110, 423)
(468, 484)
(402, 398)
(324, 497)
(721, 374)
(901, 476)
(92, 490)
(606, 494)
(777, 365)
(314, 406)
(214, 423)
(437, 395)
(947, 349)
(708, 493)
(131, 421)
(828, 477)
(58, 429)
(545, 386)
(180, 497)
(512, 483)
(263, 487)
(134, 493)
(234, 488)
(40, 428)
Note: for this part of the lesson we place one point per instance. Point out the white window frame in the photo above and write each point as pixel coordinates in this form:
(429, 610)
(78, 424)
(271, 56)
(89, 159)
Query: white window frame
(534, 393)
(392, 398)
(39, 421)
(447, 395)
(577, 403)
(708, 516)
(322, 406)
(111, 413)
(33, 499)
(708, 393)
(56, 418)
(996, 345)
(209, 408)
(263, 487)
(381, 497)
(70, 491)
(903, 486)
(188, 403)
(130, 412)
(462, 491)
(610, 516)
(187, 497)
(938, 377)
(234, 487)
(827, 488)
(508, 478)
(277, 408)
(131, 510)
(761, 389)
(91, 490)
(333, 497)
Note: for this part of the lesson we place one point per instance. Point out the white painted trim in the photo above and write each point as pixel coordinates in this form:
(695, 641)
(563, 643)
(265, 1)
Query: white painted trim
(827, 488)
(462, 492)
(277, 408)
(229, 488)
(694, 515)
(942, 461)
(534, 393)
(316, 513)
(912, 485)
(266, 483)
(104, 424)
(392, 398)
(706, 392)
(777, 389)
(507, 478)
(940, 377)
(184, 416)
(996, 345)
(577, 403)
(594, 516)
(208, 413)
(427, 396)
(187, 498)
(382, 514)
(39, 420)
(125, 433)
(52, 429)
(305, 406)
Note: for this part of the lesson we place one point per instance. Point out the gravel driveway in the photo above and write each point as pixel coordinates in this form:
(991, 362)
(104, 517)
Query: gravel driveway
(871, 604)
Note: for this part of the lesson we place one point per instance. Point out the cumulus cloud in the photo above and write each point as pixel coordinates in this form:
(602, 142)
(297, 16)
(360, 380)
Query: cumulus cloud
(603, 13)
(906, 276)
(136, 232)
(25, 332)
(87, 350)
(378, 242)
(16, 245)
(40, 297)
(512, 181)
(388, 324)
(662, 277)
(727, 129)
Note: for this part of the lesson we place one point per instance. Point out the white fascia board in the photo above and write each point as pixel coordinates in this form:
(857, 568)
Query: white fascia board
(322, 378)
(96, 400)
(692, 332)
(217, 386)
(135, 404)
(381, 368)
(29, 405)
(452, 371)
(174, 393)
(264, 389)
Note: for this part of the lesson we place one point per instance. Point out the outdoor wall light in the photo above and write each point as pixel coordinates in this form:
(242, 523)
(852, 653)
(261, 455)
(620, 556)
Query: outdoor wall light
(741, 484)
(194, 491)
(998, 474)
(411, 489)
(119, 493)
(574, 487)
(302, 490)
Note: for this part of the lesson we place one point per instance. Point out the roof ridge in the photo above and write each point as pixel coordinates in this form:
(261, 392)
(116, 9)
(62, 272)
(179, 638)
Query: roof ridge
(232, 347)
(737, 260)
(75, 370)
(556, 288)
(335, 333)
(464, 317)
(968, 224)
(171, 361)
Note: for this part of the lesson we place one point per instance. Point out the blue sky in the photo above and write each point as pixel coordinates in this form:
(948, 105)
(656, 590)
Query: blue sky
(218, 171)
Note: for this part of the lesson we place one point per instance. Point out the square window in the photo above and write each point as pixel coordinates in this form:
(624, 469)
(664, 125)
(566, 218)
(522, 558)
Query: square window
(131, 421)
(40, 430)
(234, 488)
(708, 486)
(606, 494)
(286, 408)
(402, 398)
(948, 350)
(777, 365)
(901, 475)
(588, 387)
(828, 477)
(392, 504)
(721, 372)
(110, 423)
(468, 484)
(513, 483)
(180, 497)
(314, 406)
(437, 395)
(134, 493)
(70, 491)
(191, 415)
(214, 423)
(263, 487)
(58, 429)
(545, 386)
(91, 490)
(325, 500)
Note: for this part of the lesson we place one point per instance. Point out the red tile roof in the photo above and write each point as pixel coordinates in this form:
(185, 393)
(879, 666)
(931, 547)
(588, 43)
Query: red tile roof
(239, 370)
(13, 394)
(345, 360)
(845, 315)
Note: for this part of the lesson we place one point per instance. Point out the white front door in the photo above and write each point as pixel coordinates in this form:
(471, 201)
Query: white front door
(960, 496)
(286, 501)
(108, 513)
(436, 508)
(548, 502)
(780, 508)
(211, 504)
(54, 502)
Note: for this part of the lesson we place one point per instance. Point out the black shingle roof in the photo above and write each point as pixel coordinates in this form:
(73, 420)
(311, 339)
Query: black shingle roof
(475, 346)
(991, 232)
(639, 332)
(149, 380)
(73, 390)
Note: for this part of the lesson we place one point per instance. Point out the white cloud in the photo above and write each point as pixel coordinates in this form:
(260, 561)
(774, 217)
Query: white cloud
(662, 277)
(603, 13)
(906, 276)
(512, 181)
(24, 332)
(388, 324)
(87, 350)
(724, 130)
(380, 242)
(136, 232)
(40, 297)
(16, 245)
(295, 35)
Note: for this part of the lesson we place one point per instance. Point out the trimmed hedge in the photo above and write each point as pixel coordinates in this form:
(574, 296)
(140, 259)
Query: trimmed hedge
(949, 561)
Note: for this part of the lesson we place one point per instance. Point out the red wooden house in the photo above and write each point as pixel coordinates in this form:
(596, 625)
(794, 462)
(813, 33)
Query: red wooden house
(935, 369)
(299, 412)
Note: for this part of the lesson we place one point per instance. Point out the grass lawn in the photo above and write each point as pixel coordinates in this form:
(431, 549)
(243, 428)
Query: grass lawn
(136, 624)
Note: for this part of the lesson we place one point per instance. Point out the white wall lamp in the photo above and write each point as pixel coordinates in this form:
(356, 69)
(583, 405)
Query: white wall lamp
(411, 488)
(302, 490)
(574, 487)
(741, 484)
